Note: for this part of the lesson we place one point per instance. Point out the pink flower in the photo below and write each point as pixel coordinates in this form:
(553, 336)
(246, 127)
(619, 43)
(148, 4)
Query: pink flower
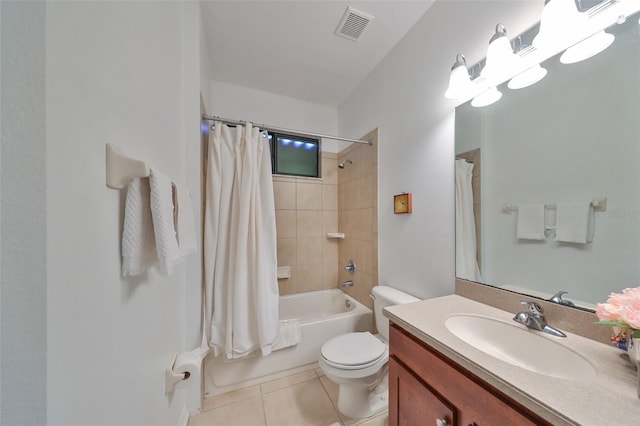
(608, 311)
(630, 313)
(623, 307)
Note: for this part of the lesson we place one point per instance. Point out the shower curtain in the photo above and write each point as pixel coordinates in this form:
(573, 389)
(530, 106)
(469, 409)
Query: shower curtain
(466, 262)
(241, 285)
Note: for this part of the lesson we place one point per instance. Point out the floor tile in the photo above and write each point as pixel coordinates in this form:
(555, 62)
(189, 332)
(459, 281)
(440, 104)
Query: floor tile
(306, 403)
(332, 390)
(379, 420)
(287, 381)
(319, 372)
(231, 397)
(249, 412)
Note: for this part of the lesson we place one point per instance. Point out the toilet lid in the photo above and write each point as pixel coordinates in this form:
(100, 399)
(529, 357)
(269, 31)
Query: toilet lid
(353, 349)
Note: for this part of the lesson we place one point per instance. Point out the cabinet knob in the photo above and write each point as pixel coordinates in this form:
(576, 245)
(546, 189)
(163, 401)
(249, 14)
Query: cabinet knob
(441, 422)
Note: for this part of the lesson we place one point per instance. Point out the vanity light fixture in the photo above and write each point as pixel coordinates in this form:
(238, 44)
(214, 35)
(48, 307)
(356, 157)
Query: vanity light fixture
(459, 80)
(488, 97)
(587, 48)
(560, 18)
(527, 78)
(500, 57)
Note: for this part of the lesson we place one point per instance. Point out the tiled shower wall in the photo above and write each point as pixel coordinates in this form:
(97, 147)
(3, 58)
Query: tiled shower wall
(306, 209)
(358, 216)
(342, 200)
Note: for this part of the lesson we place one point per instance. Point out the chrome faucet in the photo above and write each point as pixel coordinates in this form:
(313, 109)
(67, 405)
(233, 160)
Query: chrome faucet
(347, 283)
(534, 318)
(557, 298)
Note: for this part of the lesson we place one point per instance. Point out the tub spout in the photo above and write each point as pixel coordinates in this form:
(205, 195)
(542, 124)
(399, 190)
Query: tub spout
(347, 283)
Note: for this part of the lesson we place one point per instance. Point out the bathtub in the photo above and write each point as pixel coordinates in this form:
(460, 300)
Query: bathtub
(322, 315)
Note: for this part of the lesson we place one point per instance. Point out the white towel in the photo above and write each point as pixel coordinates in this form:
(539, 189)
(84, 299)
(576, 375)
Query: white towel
(138, 241)
(531, 222)
(288, 334)
(574, 222)
(183, 220)
(162, 214)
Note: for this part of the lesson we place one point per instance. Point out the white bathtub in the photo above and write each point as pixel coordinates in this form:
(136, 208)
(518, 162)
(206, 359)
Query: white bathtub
(322, 315)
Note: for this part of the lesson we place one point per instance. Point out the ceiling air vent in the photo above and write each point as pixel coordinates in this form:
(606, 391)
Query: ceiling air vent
(353, 23)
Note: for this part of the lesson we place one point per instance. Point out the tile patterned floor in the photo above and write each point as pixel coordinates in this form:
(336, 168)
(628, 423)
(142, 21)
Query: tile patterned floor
(304, 399)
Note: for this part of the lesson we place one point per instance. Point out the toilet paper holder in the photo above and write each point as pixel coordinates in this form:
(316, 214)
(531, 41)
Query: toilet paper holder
(171, 378)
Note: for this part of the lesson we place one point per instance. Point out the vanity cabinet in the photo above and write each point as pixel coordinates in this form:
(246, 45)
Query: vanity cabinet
(427, 388)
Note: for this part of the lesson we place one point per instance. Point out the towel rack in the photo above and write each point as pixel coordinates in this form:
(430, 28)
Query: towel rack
(121, 169)
(599, 205)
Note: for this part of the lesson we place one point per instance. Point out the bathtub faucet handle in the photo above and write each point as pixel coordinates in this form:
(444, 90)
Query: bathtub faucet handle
(351, 267)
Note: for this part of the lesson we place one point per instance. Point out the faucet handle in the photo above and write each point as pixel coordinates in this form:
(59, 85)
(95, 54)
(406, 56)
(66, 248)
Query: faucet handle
(534, 308)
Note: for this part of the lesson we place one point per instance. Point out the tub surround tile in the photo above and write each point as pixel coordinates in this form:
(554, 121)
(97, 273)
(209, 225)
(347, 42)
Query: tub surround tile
(303, 404)
(309, 278)
(308, 196)
(309, 223)
(284, 194)
(330, 275)
(309, 251)
(286, 223)
(287, 251)
(329, 197)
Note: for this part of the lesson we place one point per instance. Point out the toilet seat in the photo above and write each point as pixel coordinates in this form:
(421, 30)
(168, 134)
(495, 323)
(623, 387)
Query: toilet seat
(353, 351)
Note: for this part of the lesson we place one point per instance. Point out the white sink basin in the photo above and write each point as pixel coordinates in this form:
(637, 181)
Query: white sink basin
(520, 347)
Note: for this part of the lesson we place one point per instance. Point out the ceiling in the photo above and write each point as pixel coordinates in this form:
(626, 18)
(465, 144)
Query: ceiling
(289, 47)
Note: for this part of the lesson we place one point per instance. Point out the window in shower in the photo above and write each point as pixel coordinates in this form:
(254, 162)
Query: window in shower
(294, 155)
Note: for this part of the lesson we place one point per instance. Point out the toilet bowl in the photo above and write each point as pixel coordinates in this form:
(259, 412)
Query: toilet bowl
(358, 362)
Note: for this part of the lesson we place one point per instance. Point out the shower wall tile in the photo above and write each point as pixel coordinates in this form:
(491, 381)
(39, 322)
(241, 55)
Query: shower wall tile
(309, 223)
(329, 197)
(329, 275)
(308, 196)
(309, 251)
(358, 217)
(330, 222)
(309, 278)
(286, 221)
(289, 285)
(329, 169)
(330, 249)
(287, 251)
(284, 194)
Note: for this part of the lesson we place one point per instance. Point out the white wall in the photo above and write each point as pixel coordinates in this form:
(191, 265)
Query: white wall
(23, 331)
(125, 73)
(244, 103)
(404, 98)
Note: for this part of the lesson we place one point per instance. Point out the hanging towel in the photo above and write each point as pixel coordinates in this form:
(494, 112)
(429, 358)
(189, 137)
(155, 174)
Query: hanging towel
(138, 241)
(162, 213)
(183, 220)
(531, 222)
(288, 334)
(574, 222)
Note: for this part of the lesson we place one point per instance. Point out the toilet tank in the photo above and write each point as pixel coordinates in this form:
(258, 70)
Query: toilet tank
(387, 296)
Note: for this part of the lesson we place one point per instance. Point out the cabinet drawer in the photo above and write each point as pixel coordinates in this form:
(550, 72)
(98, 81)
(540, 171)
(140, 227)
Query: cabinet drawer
(476, 401)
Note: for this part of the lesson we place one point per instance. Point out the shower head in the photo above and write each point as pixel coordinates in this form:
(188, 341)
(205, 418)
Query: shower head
(341, 165)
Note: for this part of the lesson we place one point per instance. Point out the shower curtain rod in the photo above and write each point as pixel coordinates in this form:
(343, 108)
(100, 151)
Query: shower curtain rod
(281, 129)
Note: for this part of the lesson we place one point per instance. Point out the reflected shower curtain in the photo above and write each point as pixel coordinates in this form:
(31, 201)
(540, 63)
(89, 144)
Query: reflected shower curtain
(466, 263)
(241, 285)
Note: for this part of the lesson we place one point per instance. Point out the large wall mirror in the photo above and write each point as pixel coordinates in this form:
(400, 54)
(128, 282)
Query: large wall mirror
(571, 138)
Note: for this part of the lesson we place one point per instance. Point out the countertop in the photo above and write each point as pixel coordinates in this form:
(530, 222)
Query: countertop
(608, 399)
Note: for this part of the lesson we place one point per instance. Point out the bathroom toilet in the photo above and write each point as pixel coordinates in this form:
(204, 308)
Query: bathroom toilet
(357, 362)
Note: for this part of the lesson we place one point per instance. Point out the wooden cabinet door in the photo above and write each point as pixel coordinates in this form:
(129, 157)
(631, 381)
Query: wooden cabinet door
(413, 402)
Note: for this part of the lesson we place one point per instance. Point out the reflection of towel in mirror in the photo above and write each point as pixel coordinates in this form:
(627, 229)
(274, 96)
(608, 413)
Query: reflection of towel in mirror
(575, 223)
(530, 222)
(288, 334)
